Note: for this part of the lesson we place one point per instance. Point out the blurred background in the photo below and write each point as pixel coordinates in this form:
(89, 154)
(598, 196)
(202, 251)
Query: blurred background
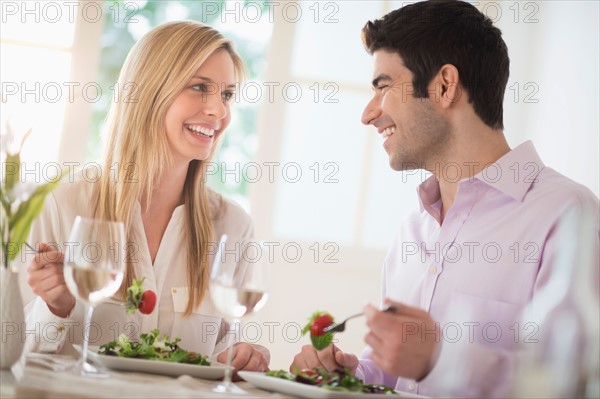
(296, 157)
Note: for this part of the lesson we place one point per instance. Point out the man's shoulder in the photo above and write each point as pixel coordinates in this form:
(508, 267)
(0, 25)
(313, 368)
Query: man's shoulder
(552, 188)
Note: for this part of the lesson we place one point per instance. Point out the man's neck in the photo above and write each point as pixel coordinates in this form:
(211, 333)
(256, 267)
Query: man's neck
(470, 155)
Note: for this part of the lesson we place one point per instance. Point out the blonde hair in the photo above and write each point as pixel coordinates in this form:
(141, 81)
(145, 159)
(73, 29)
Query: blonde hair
(156, 70)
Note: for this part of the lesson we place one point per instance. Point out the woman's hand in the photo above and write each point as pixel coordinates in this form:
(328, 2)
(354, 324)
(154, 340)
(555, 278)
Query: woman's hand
(248, 357)
(329, 359)
(47, 280)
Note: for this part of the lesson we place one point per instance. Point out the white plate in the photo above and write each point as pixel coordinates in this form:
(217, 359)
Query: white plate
(213, 372)
(260, 380)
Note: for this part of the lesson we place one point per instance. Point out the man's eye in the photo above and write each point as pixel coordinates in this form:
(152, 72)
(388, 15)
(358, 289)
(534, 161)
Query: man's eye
(381, 88)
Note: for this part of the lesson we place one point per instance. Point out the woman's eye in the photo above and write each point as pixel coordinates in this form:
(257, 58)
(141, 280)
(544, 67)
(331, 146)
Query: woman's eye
(200, 87)
(227, 96)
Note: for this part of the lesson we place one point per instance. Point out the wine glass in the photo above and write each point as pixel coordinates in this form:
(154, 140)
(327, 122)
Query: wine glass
(236, 291)
(94, 267)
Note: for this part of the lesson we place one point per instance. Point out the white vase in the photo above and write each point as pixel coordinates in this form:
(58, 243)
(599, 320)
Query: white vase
(12, 318)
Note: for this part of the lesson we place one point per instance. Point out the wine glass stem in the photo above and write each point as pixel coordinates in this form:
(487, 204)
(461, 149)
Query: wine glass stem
(231, 343)
(89, 309)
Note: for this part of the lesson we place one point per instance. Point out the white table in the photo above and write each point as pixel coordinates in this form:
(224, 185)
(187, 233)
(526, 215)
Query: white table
(32, 381)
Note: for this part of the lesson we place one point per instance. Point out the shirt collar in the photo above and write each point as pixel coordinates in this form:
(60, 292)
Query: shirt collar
(514, 173)
(429, 195)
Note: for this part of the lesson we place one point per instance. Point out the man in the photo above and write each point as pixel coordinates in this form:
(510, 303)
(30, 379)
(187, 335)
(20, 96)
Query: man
(484, 242)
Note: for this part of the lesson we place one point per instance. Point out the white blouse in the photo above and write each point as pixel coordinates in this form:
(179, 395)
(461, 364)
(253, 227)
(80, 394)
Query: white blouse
(201, 332)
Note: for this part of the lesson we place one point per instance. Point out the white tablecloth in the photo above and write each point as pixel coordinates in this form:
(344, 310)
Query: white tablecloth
(31, 380)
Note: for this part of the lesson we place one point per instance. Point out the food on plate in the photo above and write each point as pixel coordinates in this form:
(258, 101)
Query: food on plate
(337, 380)
(152, 348)
(138, 299)
(316, 326)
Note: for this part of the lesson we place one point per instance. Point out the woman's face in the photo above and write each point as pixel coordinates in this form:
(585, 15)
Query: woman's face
(200, 113)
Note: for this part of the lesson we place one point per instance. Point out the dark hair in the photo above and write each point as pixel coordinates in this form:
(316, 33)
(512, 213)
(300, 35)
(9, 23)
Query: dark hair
(430, 34)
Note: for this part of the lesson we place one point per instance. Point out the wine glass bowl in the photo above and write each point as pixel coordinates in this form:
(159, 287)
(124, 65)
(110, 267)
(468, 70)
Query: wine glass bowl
(237, 290)
(235, 302)
(93, 269)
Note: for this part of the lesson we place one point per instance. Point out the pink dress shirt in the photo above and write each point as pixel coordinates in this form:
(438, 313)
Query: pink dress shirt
(476, 272)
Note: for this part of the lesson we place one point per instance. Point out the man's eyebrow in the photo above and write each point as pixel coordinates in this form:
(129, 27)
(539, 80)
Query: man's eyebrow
(378, 79)
(209, 80)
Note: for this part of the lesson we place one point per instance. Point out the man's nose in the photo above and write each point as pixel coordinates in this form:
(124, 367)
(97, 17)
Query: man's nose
(371, 112)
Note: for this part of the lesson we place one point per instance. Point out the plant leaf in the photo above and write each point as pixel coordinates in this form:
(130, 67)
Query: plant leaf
(24, 138)
(4, 232)
(20, 222)
(5, 201)
(12, 171)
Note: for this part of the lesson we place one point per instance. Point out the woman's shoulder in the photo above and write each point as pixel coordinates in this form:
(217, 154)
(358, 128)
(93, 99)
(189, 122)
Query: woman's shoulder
(75, 191)
(227, 215)
(74, 184)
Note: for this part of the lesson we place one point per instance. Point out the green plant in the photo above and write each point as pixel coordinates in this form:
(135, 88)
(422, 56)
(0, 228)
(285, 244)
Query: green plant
(21, 202)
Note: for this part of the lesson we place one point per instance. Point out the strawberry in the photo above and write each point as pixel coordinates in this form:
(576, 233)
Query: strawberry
(138, 299)
(320, 323)
(148, 302)
(316, 324)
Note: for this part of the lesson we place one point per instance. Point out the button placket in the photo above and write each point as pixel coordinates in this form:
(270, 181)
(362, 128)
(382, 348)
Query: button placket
(465, 202)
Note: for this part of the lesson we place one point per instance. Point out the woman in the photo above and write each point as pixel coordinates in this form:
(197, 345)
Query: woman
(178, 81)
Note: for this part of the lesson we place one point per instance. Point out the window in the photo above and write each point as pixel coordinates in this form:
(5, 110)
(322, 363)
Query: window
(333, 183)
(48, 65)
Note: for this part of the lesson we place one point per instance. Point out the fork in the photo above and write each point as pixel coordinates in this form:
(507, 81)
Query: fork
(334, 328)
(29, 246)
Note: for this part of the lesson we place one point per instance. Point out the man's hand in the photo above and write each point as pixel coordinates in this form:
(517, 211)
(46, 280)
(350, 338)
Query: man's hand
(247, 357)
(47, 280)
(329, 358)
(404, 343)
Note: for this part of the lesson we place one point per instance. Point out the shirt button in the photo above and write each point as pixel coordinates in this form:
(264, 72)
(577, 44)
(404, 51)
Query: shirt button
(411, 386)
(432, 269)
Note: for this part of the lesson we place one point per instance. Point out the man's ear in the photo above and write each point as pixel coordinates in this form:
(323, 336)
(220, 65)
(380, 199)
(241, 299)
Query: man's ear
(448, 82)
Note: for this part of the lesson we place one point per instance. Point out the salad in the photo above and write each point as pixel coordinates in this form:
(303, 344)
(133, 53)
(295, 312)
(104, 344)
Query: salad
(151, 348)
(139, 299)
(316, 326)
(337, 380)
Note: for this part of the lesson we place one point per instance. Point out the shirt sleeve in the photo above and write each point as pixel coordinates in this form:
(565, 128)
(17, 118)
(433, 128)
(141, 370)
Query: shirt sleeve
(370, 373)
(470, 371)
(46, 332)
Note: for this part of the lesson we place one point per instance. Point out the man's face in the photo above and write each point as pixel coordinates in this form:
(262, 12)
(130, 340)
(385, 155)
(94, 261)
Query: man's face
(415, 134)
